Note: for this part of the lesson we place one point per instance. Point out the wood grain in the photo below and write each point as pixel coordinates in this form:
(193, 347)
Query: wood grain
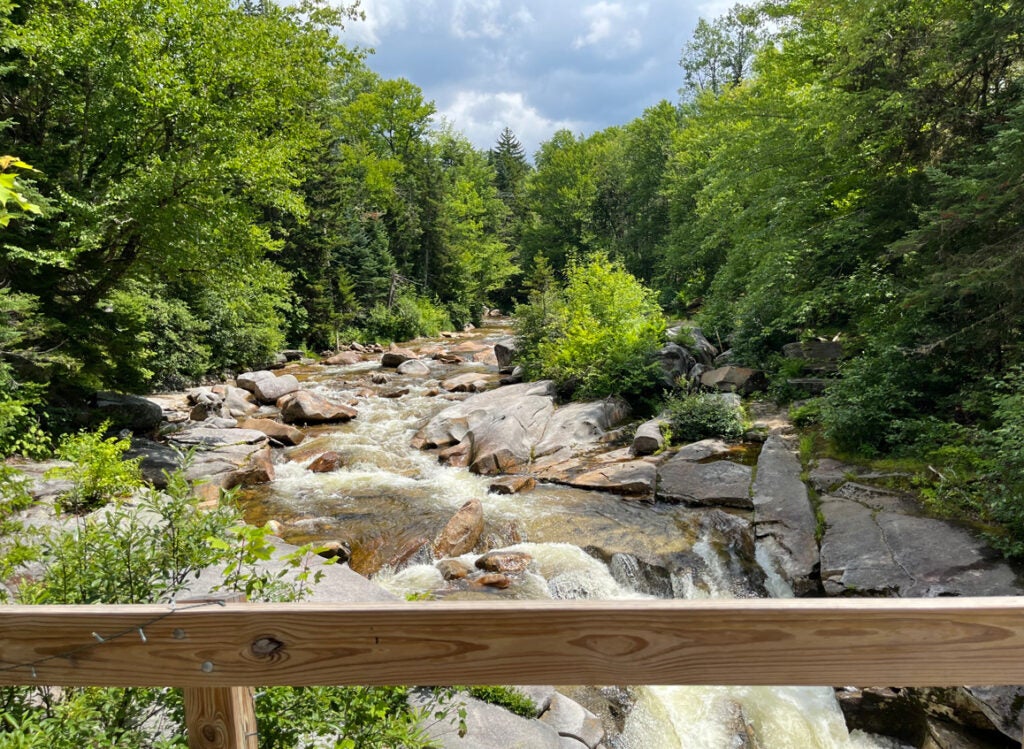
(221, 718)
(902, 642)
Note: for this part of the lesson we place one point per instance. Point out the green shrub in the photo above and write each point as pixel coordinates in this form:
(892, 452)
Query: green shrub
(807, 413)
(411, 316)
(697, 416)
(98, 472)
(599, 337)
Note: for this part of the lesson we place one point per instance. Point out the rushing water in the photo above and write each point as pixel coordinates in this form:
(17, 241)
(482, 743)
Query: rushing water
(390, 498)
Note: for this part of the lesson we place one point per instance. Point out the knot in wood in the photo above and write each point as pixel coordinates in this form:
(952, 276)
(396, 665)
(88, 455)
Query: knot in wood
(267, 647)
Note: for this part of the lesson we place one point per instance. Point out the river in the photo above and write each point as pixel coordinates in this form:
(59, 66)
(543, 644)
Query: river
(389, 498)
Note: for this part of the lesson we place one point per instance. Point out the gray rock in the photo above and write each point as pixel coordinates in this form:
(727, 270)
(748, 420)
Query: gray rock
(572, 720)
(269, 390)
(676, 362)
(238, 402)
(504, 352)
(720, 483)
(395, 356)
(490, 727)
(876, 547)
(783, 516)
(703, 349)
(215, 437)
(469, 382)
(131, 412)
(732, 379)
(702, 450)
(413, 368)
(157, 460)
(580, 425)
(247, 380)
(1003, 706)
(649, 438)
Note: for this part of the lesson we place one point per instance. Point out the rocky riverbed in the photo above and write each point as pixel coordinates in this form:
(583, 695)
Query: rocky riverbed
(438, 479)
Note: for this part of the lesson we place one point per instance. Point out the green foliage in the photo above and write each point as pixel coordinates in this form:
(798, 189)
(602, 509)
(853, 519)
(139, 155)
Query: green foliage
(410, 317)
(507, 697)
(13, 191)
(697, 416)
(98, 472)
(1008, 461)
(596, 338)
(808, 413)
(137, 553)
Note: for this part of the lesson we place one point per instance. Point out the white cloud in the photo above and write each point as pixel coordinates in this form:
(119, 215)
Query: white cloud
(609, 28)
(481, 115)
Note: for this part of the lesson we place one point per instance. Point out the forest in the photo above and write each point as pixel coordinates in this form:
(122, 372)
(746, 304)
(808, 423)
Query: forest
(188, 187)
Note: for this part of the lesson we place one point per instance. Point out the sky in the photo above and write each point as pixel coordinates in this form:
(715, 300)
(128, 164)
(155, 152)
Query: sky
(535, 66)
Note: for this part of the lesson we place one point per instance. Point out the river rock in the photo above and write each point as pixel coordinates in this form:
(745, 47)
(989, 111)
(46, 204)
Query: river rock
(305, 407)
(783, 516)
(238, 402)
(227, 466)
(649, 437)
(206, 436)
(508, 562)
(247, 380)
(269, 390)
(453, 569)
(742, 380)
(505, 352)
(676, 362)
(702, 450)
(491, 580)
(462, 531)
(395, 356)
(131, 412)
(704, 351)
(275, 430)
(327, 462)
(572, 720)
(157, 460)
(344, 358)
(634, 478)
(512, 484)
(720, 483)
(469, 382)
(579, 426)
(413, 368)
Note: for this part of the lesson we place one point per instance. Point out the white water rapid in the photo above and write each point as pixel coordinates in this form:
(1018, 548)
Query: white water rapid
(390, 497)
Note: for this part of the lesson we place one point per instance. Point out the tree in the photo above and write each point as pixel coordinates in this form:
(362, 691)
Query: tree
(721, 53)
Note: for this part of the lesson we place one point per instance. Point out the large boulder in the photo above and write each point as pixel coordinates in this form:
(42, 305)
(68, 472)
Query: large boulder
(124, 411)
(649, 437)
(413, 368)
(275, 430)
(730, 379)
(395, 356)
(504, 430)
(676, 363)
(505, 352)
(247, 380)
(305, 407)
(269, 389)
(343, 358)
(720, 483)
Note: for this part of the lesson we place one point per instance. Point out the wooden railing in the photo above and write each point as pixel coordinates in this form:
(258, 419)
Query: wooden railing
(216, 653)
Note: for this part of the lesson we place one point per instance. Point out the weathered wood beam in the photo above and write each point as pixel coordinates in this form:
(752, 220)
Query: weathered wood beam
(896, 642)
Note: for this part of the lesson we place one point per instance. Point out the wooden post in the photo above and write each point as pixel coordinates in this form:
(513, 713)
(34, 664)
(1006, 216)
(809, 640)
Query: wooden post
(220, 717)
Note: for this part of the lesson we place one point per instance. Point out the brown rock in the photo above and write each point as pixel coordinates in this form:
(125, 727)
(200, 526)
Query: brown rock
(259, 469)
(471, 382)
(283, 433)
(462, 531)
(508, 562)
(513, 484)
(329, 461)
(304, 407)
(395, 356)
(335, 550)
(456, 455)
(395, 393)
(492, 580)
(346, 358)
(380, 378)
(453, 569)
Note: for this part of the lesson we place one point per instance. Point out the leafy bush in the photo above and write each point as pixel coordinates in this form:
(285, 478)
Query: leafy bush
(98, 472)
(598, 337)
(697, 416)
(410, 317)
(1008, 460)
